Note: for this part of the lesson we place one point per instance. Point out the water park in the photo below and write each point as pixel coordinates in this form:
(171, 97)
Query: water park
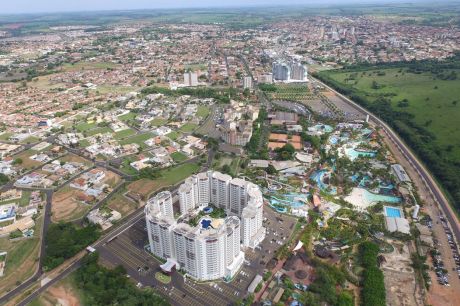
(361, 198)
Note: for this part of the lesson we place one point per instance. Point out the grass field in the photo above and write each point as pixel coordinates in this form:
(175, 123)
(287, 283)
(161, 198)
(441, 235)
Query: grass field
(28, 163)
(291, 92)
(179, 157)
(158, 121)
(203, 111)
(85, 126)
(173, 135)
(23, 201)
(188, 127)
(4, 136)
(21, 260)
(122, 204)
(169, 177)
(124, 133)
(98, 130)
(87, 66)
(139, 139)
(84, 143)
(127, 117)
(431, 101)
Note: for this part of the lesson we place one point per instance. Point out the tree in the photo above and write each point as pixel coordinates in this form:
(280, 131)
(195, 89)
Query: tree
(17, 161)
(3, 179)
(271, 169)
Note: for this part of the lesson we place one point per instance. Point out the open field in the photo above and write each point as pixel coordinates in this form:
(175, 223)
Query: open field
(122, 204)
(64, 292)
(188, 127)
(28, 163)
(23, 201)
(203, 111)
(169, 177)
(158, 121)
(139, 139)
(75, 158)
(127, 117)
(288, 92)
(419, 100)
(66, 207)
(87, 66)
(173, 135)
(179, 157)
(112, 179)
(21, 260)
(105, 89)
(431, 101)
(124, 133)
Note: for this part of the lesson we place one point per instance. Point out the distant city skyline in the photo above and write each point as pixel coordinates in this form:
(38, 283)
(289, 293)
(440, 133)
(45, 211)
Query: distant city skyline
(44, 6)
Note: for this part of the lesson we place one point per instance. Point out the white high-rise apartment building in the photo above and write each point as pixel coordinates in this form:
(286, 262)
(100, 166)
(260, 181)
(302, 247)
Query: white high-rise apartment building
(163, 202)
(219, 189)
(247, 82)
(212, 249)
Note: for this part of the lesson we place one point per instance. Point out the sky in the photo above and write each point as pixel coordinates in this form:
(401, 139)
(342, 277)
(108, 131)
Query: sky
(39, 6)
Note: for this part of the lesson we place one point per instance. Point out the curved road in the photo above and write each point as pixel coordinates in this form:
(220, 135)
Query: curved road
(424, 174)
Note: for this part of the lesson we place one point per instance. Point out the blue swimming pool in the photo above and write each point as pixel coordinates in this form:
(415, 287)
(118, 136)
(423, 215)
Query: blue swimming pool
(318, 177)
(205, 223)
(393, 212)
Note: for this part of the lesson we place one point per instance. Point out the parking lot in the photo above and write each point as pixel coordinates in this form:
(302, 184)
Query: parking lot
(127, 249)
(442, 272)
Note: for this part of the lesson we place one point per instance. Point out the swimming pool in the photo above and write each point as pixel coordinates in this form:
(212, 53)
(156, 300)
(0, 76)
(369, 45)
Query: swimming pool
(318, 177)
(393, 212)
(374, 198)
(353, 154)
(294, 200)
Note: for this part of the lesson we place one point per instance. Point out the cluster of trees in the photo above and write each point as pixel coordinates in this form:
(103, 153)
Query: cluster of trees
(3, 179)
(221, 95)
(327, 288)
(373, 292)
(254, 146)
(64, 240)
(286, 152)
(444, 167)
(267, 87)
(102, 286)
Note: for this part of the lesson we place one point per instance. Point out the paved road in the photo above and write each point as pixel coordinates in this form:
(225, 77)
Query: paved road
(424, 174)
(39, 272)
(130, 221)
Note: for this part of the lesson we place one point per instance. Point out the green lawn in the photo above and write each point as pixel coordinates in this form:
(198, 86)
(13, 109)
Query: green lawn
(430, 100)
(173, 135)
(98, 130)
(126, 167)
(176, 174)
(188, 127)
(124, 133)
(5, 136)
(139, 139)
(179, 157)
(158, 121)
(127, 117)
(31, 139)
(165, 279)
(203, 111)
(85, 126)
(84, 143)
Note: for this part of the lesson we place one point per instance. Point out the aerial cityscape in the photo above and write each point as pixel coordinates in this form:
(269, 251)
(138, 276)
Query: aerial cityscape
(232, 153)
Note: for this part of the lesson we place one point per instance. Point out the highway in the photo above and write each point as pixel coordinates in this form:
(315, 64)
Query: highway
(130, 221)
(424, 174)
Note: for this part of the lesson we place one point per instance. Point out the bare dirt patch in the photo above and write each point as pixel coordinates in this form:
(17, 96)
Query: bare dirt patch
(66, 207)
